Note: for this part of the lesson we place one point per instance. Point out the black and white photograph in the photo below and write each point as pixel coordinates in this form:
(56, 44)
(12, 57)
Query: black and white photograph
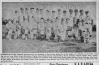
(49, 27)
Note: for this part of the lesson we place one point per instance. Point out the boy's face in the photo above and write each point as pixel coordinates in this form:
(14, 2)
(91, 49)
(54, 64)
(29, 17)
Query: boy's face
(76, 12)
(26, 10)
(87, 13)
(81, 13)
(70, 12)
(37, 10)
(42, 20)
(59, 11)
(41, 11)
(10, 22)
(16, 13)
(57, 19)
(32, 10)
(64, 13)
(47, 11)
(53, 12)
(21, 10)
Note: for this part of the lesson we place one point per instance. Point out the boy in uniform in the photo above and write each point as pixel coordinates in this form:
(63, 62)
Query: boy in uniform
(47, 15)
(48, 29)
(41, 13)
(70, 24)
(62, 30)
(15, 24)
(26, 23)
(9, 27)
(42, 28)
(53, 24)
(81, 24)
(37, 20)
(76, 17)
(88, 23)
(33, 30)
(86, 35)
(21, 20)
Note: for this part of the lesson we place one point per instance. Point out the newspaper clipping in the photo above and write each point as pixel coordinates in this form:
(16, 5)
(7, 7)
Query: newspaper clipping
(49, 32)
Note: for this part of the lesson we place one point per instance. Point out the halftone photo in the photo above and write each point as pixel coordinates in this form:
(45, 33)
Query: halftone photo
(49, 27)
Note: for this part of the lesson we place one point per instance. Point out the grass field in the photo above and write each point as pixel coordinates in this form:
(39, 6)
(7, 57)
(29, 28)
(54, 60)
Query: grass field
(31, 46)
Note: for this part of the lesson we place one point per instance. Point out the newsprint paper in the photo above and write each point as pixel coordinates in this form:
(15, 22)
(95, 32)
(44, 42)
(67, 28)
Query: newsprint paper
(49, 32)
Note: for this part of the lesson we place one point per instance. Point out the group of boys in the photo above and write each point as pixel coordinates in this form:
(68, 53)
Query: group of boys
(34, 23)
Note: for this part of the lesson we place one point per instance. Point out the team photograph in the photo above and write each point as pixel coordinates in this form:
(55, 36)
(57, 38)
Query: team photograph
(49, 27)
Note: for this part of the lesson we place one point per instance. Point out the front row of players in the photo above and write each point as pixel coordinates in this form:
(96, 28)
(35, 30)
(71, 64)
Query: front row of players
(59, 29)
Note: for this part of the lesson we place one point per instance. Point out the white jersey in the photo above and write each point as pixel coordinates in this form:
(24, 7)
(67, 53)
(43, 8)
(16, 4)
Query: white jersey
(65, 16)
(75, 19)
(88, 24)
(37, 17)
(70, 21)
(42, 28)
(81, 17)
(47, 16)
(21, 19)
(26, 15)
(16, 17)
(80, 25)
(48, 28)
(59, 16)
(53, 17)
(41, 15)
(9, 26)
(75, 32)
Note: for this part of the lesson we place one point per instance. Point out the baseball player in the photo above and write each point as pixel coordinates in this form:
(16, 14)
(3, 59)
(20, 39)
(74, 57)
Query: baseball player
(53, 23)
(9, 27)
(42, 28)
(41, 13)
(15, 24)
(76, 17)
(86, 35)
(33, 30)
(47, 15)
(70, 24)
(48, 29)
(88, 23)
(63, 30)
(21, 16)
(21, 20)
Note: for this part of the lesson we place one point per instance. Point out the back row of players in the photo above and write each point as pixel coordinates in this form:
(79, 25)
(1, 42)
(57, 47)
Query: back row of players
(28, 24)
